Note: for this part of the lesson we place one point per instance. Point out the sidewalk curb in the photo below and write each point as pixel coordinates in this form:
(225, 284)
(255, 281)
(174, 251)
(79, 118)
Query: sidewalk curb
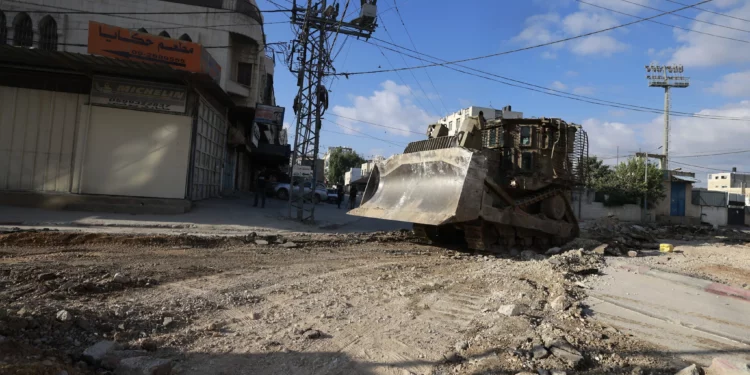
(701, 284)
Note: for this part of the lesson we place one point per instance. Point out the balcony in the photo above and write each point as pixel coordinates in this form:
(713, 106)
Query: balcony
(235, 88)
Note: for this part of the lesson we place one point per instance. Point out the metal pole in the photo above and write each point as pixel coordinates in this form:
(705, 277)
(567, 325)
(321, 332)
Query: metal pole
(645, 193)
(665, 166)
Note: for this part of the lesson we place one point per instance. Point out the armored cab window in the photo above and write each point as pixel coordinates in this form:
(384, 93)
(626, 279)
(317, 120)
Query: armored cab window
(527, 161)
(526, 136)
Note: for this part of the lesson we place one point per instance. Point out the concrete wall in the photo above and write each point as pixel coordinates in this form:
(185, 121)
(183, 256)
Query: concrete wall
(210, 28)
(714, 215)
(136, 153)
(596, 210)
(37, 137)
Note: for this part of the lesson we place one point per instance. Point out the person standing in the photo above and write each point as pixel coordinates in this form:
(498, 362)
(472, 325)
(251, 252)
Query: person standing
(352, 197)
(339, 194)
(260, 189)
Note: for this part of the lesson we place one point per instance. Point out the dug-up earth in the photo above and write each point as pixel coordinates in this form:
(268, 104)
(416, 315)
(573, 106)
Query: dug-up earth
(378, 303)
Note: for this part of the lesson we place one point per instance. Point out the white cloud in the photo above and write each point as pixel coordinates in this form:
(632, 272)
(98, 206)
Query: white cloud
(689, 136)
(389, 106)
(571, 73)
(622, 6)
(464, 103)
(616, 112)
(605, 137)
(603, 45)
(584, 22)
(537, 31)
(584, 90)
(544, 28)
(702, 50)
(557, 85)
(734, 84)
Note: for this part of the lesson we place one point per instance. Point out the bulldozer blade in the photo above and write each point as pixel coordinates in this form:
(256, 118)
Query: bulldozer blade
(432, 187)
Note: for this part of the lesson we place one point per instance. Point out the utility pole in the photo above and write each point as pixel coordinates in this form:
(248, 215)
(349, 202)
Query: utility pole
(310, 60)
(645, 193)
(666, 76)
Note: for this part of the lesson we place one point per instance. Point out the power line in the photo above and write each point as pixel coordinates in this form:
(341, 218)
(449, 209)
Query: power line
(550, 91)
(365, 134)
(710, 11)
(192, 26)
(714, 154)
(685, 17)
(427, 72)
(665, 24)
(403, 82)
(375, 124)
(528, 47)
(702, 167)
(411, 72)
(129, 17)
(141, 13)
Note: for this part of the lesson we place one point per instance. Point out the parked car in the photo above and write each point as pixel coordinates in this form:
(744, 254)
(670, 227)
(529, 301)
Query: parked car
(333, 195)
(281, 191)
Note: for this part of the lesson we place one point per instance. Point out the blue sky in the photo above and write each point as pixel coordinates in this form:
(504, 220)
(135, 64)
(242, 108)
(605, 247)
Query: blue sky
(607, 66)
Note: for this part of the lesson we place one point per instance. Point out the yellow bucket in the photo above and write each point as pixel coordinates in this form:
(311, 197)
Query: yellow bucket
(666, 248)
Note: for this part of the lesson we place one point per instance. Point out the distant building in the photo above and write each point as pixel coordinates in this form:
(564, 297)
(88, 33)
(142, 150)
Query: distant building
(730, 182)
(454, 120)
(327, 156)
(369, 165)
(354, 174)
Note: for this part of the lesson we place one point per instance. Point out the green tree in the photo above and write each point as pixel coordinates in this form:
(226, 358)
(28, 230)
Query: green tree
(628, 183)
(596, 171)
(339, 163)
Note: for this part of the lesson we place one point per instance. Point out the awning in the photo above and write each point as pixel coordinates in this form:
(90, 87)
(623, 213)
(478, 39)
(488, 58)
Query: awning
(684, 179)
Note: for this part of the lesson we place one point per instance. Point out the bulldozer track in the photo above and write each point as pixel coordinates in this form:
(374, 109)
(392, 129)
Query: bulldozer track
(484, 236)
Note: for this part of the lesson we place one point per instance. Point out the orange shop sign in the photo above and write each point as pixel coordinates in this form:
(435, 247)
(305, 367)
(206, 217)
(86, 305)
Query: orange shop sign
(121, 43)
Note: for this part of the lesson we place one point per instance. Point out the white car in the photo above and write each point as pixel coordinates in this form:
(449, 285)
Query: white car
(281, 191)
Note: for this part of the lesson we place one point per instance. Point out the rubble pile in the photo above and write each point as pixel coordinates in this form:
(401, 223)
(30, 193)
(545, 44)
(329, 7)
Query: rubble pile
(619, 237)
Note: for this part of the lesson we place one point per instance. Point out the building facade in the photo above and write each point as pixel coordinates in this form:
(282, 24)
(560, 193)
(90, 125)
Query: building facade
(327, 158)
(54, 88)
(232, 30)
(730, 182)
(453, 121)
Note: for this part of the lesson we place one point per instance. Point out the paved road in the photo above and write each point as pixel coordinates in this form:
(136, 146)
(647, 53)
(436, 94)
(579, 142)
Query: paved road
(683, 315)
(213, 216)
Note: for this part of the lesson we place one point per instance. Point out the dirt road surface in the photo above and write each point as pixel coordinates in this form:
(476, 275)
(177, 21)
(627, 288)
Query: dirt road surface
(690, 317)
(377, 303)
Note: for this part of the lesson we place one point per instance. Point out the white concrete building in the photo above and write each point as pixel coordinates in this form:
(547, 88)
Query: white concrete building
(134, 124)
(453, 121)
(327, 157)
(235, 38)
(352, 175)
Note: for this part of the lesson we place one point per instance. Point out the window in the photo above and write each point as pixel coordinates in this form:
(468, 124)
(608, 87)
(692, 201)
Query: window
(142, 30)
(245, 73)
(723, 177)
(164, 34)
(450, 125)
(3, 29)
(458, 124)
(48, 34)
(525, 136)
(527, 161)
(186, 38)
(268, 92)
(716, 178)
(23, 32)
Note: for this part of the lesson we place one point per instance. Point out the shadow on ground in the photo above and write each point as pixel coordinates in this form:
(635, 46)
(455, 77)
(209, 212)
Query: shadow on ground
(335, 363)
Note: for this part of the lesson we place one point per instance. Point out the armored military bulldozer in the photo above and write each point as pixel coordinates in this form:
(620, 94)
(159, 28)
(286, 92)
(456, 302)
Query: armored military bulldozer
(495, 185)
